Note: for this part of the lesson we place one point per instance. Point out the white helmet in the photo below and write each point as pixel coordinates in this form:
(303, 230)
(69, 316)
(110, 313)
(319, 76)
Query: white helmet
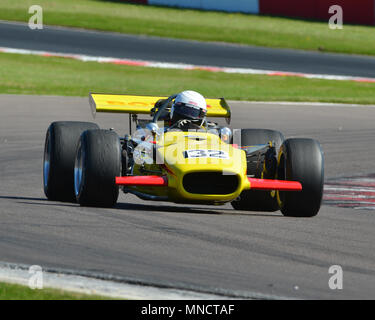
(189, 105)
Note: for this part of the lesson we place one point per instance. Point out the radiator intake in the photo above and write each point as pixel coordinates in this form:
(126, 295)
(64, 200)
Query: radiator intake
(210, 183)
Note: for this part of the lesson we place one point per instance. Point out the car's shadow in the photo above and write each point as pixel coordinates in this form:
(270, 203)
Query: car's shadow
(191, 210)
(39, 201)
(149, 207)
(23, 198)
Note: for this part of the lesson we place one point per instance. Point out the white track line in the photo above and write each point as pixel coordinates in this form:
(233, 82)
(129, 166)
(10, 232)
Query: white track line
(183, 66)
(86, 285)
(117, 287)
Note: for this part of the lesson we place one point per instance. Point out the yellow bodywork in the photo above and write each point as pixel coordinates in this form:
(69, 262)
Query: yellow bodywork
(120, 103)
(171, 148)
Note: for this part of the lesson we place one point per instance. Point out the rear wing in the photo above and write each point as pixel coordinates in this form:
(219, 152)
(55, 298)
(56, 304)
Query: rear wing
(121, 103)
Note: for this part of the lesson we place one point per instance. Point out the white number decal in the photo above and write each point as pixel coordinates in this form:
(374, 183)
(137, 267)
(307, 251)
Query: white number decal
(206, 154)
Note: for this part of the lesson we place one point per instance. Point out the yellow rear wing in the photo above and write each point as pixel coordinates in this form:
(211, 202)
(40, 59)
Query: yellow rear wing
(121, 103)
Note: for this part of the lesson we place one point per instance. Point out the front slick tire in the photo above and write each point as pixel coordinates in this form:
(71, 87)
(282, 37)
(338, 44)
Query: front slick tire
(301, 160)
(98, 162)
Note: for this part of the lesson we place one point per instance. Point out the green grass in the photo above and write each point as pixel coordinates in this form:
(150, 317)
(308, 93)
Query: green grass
(22, 74)
(19, 292)
(198, 25)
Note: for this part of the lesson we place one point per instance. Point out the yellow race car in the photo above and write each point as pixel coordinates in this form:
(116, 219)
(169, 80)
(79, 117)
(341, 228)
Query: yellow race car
(253, 169)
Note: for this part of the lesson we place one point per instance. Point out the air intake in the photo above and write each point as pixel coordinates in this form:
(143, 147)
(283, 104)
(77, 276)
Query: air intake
(210, 183)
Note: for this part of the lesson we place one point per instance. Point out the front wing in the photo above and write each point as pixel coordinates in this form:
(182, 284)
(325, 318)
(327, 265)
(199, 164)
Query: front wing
(255, 184)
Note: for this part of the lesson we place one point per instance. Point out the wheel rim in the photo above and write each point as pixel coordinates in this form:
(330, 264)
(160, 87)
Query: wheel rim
(78, 172)
(46, 162)
(281, 175)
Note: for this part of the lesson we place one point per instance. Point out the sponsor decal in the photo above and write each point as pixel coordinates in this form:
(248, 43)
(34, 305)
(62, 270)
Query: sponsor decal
(201, 153)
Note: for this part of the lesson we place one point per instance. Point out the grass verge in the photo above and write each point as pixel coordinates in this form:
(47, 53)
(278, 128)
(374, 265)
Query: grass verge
(27, 74)
(22, 74)
(19, 292)
(197, 25)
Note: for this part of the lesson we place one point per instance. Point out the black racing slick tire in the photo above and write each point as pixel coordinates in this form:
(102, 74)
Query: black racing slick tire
(59, 154)
(301, 160)
(97, 164)
(255, 200)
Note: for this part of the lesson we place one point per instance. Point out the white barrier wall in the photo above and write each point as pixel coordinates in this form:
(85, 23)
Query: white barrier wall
(248, 6)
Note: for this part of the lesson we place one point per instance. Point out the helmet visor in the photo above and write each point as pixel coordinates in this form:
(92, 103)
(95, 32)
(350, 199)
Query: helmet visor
(189, 111)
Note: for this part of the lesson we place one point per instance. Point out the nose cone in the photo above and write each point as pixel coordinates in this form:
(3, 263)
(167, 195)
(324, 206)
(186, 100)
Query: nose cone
(199, 151)
(204, 167)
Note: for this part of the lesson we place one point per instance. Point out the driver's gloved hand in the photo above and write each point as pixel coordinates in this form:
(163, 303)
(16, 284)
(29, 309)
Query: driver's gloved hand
(184, 122)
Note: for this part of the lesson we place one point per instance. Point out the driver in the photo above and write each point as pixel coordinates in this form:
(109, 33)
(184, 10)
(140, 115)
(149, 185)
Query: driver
(188, 111)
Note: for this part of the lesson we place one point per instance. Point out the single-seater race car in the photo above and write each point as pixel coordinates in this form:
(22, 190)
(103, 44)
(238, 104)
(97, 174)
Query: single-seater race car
(253, 169)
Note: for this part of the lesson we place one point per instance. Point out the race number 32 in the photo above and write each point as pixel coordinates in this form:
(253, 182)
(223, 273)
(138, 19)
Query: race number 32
(218, 154)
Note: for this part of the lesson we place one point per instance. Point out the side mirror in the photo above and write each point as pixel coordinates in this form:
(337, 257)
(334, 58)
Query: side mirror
(226, 135)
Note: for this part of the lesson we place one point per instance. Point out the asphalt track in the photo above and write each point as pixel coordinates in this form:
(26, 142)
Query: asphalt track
(65, 40)
(196, 246)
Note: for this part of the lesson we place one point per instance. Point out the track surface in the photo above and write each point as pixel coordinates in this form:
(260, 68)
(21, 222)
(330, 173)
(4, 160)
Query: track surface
(64, 40)
(195, 246)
